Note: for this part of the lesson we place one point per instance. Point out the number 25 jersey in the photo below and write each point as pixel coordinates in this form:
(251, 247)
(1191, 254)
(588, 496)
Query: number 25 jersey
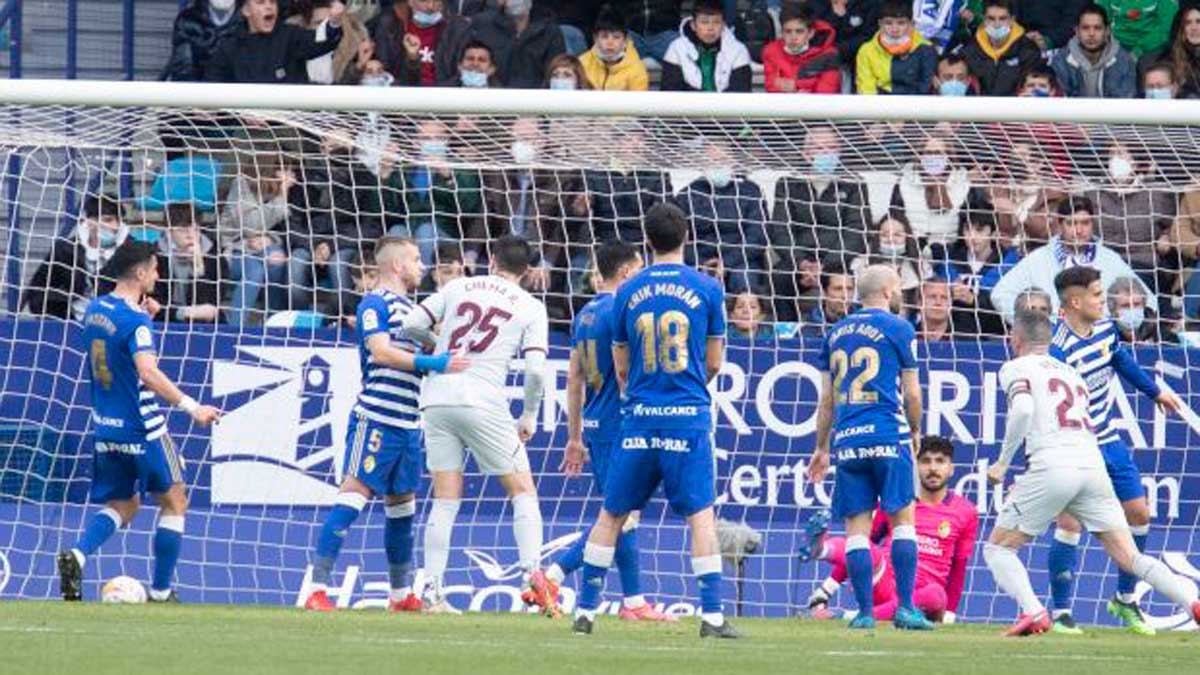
(488, 319)
(864, 354)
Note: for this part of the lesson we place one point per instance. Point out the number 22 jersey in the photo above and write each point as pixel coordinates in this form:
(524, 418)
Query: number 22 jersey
(488, 319)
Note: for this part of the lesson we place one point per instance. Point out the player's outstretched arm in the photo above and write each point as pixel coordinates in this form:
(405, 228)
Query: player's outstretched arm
(158, 382)
(820, 459)
(1016, 428)
(575, 454)
(910, 385)
(535, 386)
(387, 354)
(1129, 370)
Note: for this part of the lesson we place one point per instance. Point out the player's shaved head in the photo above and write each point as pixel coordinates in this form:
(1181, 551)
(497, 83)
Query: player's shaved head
(388, 247)
(874, 282)
(1032, 329)
(1075, 278)
(666, 227)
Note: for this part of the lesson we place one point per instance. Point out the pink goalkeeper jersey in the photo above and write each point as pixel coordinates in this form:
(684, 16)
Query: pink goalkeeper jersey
(945, 532)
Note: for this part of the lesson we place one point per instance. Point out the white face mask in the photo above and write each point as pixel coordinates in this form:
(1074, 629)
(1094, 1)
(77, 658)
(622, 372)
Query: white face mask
(524, 152)
(720, 177)
(562, 83)
(935, 165)
(795, 51)
(222, 5)
(1131, 318)
(891, 250)
(1120, 169)
(517, 7)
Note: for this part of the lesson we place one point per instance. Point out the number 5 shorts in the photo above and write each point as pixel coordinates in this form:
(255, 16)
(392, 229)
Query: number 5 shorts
(489, 433)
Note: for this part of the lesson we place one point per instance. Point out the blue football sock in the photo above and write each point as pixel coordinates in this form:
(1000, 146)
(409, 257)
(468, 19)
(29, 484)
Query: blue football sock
(333, 533)
(168, 539)
(708, 577)
(1061, 562)
(629, 566)
(98, 530)
(398, 542)
(1126, 582)
(572, 558)
(858, 565)
(596, 561)
(904, 563)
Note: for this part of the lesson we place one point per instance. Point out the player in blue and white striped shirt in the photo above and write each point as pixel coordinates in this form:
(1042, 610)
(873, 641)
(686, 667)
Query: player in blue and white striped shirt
(1089, 342)
(383, 451)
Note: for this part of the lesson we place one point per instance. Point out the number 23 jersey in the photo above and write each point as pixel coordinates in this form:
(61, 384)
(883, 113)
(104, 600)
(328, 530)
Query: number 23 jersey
(1060, 433)
(864, 354)
(488, 319)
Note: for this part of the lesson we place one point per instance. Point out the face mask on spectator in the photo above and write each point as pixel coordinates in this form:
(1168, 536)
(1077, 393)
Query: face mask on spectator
(891, 250)
(795, 51)
(720, 177)
(935, 165)
(562, 83)
(1039, 93)
(434, 149)
(953, 88)
(473, 78)
(610, 58)
(427, 19)
(895, 44)
(826, 163)
(523, 152)
(1159, 93)
(1120, 169)
(107, 239)
(998, 32)
(377, 80)
(517, 7)
(222, 5)
(1131, 318)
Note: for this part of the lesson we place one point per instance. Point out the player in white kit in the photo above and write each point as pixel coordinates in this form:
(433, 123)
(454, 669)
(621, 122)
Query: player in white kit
(1048, 413)
(491, 319)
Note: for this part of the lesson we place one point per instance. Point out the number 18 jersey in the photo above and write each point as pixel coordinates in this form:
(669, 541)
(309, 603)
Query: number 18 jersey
(1060, 433)
(488, 319)
(864, 354)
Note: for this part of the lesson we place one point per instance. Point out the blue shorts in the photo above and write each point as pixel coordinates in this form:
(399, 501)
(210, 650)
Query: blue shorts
(680, 459)
(600, 453)
(122, 469)
(386, 459)
(1122, 470)
(879, 474)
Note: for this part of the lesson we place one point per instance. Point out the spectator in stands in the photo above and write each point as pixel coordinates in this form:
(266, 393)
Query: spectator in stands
(256, 203)
(619, 197)
(854, 22)
(1182, 242)
(266, 50)
(748, 318)
(1075, 245)
(817, 220)
(726, 212)
(898, 60)
(522, 42)
(420, 41)
(476, 68)
(1033, 300)
(837, 300)
(934, 319)
(1182, 52)
(805, 60)
(72, 272)
(972, 265)
(200, 25)
(1093, 64)
(442, 204)
(1159, 81)
(565, 72)
(1000, 52)
(653, 25)
(1141, 26)
(1049, 24)
(933, 190)
(345, 64)
(613, 63)
(1039, 82)
(1136, 322)
(892, 243)
(190, 270)
(448, 264)
(953, 78)
(945, 23)
(706, 56)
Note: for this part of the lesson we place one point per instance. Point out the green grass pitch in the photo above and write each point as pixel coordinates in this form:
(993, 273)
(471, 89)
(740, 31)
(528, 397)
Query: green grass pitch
(94, 639)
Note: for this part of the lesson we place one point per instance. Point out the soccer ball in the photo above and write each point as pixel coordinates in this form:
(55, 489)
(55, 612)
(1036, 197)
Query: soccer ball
(123, 590)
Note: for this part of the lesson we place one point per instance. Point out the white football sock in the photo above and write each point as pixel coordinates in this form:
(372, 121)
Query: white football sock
(555, 573)
(1181, 591)
(634, 601)
(527, 529)
(437, 539)
(1012, 577)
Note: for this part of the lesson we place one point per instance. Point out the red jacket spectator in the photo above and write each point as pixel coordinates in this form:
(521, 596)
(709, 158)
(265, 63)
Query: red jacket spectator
(815, 70)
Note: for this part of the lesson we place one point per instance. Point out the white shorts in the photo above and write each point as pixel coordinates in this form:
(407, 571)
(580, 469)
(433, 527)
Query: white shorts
(1041, 494)
(490, 434)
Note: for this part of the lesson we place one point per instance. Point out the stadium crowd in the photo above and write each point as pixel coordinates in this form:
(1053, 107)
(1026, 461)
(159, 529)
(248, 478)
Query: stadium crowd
(972, 217)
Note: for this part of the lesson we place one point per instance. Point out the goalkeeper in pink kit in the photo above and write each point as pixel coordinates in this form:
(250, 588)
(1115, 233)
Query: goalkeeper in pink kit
(947, 527)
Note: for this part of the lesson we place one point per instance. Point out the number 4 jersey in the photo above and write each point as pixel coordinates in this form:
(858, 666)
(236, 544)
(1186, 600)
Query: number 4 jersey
(488, 319)
(1060, 433)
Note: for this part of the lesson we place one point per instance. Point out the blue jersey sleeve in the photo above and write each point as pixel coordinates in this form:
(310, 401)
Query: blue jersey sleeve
(141, 338)
(716, 312)
(905, 341)
(1129, 370)
(372, 316)
(620, 332)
